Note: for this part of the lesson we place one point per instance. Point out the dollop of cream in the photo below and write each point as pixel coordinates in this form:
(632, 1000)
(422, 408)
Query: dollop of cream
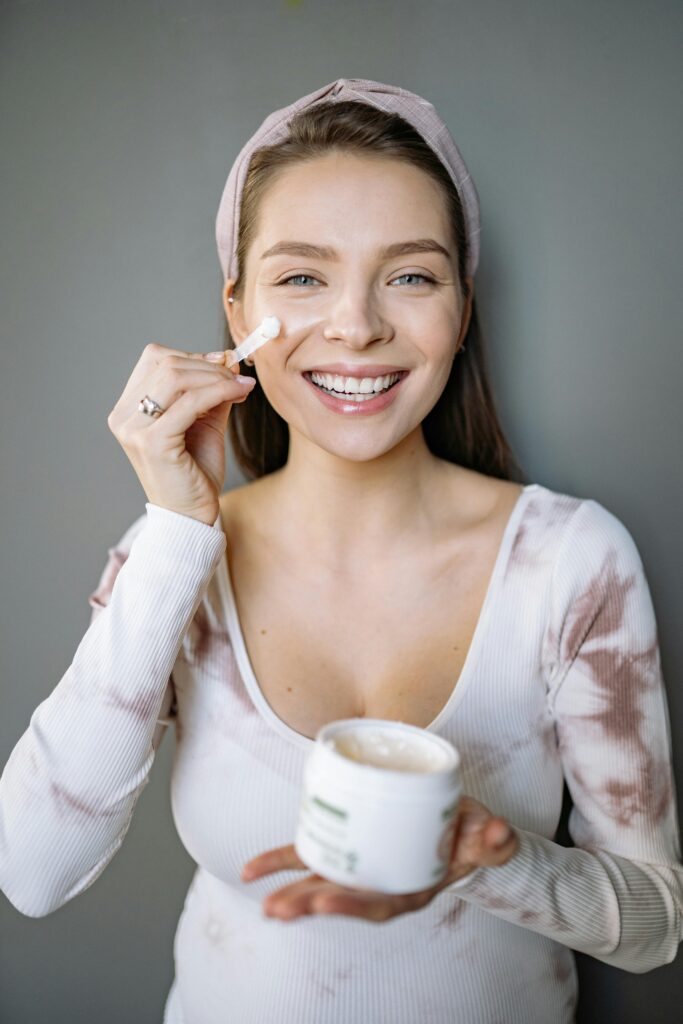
(393, 752)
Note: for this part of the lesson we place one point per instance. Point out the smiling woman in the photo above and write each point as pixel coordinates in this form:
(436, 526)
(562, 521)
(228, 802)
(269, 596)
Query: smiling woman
(334, 170)
(359, 227)
(381, 564)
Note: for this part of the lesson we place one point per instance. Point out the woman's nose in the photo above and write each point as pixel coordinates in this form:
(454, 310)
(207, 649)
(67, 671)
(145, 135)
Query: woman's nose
(356, 321)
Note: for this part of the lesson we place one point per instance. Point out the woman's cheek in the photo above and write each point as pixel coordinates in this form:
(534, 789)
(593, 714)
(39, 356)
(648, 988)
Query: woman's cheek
(278, 386)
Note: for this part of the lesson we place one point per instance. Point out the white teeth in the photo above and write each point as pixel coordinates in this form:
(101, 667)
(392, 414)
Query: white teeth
(357, 398)
(354, 385)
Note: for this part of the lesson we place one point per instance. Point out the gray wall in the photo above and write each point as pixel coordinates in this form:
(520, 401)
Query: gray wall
(118, 124)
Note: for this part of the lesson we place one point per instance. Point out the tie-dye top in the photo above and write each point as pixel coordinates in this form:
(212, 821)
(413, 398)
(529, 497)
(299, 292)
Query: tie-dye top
(562, 684)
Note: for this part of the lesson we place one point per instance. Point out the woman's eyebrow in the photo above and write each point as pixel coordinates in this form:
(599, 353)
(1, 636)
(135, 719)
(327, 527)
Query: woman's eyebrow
(326, 252)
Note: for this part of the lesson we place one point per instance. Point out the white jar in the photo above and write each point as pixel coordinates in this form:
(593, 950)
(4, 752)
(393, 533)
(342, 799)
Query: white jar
(378, 805)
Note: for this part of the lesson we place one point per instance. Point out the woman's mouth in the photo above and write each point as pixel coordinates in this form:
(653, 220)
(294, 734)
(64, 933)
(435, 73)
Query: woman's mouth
(353, 395)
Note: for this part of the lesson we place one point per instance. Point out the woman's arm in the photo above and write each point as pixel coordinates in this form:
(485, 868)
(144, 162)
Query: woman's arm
(69, 788)
(618, 894)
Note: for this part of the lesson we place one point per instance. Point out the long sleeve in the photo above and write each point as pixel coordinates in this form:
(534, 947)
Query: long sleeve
(69, 788)
(617, 895)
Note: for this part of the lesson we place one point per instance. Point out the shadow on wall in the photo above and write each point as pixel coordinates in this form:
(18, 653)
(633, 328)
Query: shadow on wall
(606, 993)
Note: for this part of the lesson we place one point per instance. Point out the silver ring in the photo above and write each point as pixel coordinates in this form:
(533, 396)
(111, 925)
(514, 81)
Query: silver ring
(150, 407)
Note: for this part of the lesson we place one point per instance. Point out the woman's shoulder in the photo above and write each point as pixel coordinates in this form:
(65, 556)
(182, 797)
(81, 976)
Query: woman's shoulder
(599, 590)
(580, 521)
(569, 534)
(590, 553)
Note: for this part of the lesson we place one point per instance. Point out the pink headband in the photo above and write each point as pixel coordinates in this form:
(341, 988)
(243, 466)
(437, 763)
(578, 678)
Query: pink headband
(417, 111)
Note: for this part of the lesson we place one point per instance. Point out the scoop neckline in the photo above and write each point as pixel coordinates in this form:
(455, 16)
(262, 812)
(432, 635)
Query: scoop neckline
(460, 686)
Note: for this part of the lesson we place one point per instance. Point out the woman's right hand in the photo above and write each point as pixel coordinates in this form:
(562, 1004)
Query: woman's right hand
(179, 456)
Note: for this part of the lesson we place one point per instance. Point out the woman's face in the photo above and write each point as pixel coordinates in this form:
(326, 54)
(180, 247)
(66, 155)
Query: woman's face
(355, 308)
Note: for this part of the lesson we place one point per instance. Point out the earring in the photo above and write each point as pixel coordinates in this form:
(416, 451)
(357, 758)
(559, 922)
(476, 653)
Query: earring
(231, 299)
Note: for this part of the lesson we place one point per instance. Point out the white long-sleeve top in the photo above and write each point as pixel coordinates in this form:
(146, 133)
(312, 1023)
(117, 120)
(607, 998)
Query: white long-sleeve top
(562, 682)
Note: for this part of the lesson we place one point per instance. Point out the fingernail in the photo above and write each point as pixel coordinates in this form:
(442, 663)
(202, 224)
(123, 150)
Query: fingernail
(215, 357)
(245, 380)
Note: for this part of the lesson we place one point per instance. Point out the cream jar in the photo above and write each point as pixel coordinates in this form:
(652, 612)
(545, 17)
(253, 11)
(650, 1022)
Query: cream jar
(378, 805)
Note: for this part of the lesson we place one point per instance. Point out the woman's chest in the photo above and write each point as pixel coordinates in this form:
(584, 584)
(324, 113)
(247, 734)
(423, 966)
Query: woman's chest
(378, 645)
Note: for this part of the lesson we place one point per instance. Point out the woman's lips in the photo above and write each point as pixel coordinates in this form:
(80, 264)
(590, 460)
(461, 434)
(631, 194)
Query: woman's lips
(347, 406)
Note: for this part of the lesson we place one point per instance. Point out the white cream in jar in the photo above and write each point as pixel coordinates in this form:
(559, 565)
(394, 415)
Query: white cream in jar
(378, 805)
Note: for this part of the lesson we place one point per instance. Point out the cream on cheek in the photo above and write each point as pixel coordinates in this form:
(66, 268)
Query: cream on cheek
(272, 361)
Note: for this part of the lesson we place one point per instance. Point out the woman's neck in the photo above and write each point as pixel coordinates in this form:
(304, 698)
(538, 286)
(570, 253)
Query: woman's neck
(370, 510)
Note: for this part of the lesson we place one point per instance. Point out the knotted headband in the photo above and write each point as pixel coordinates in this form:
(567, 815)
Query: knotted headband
(413, 108)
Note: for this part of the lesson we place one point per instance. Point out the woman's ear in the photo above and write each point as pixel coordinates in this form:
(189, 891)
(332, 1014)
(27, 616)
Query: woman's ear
(233, 313)
(227, 296)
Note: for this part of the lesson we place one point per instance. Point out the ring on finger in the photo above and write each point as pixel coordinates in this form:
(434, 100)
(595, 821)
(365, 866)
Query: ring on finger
(150, 407)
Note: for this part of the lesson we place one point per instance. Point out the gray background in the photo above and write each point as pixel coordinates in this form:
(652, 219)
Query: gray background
(119, 123)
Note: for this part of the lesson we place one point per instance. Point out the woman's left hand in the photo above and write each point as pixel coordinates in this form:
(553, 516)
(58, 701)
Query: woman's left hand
(480, 839)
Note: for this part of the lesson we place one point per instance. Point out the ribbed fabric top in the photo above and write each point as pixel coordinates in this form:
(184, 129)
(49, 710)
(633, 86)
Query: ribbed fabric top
(562, 682)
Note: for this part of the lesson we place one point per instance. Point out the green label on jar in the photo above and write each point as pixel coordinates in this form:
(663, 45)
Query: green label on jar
(328, 807)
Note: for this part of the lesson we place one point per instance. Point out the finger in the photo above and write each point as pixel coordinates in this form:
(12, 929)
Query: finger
(225, 357)
(372, 905)
(170, 382)
(167, 379)
(193, 361)
(499, 845)
(180, 414)
(281, 858)
(497, 832)
(214, 419)
(297, 898)
(154, 356)
(210, 360)
(156, 353)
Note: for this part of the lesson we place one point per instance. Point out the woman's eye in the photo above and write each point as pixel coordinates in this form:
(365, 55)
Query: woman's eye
(298, 277)
(423, 277)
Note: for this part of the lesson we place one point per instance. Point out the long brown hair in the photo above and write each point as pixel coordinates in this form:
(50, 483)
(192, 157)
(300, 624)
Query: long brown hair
(463, 426)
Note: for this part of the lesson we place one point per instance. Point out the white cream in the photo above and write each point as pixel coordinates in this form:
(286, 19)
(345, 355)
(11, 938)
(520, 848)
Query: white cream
(384, 750)
(269, 328)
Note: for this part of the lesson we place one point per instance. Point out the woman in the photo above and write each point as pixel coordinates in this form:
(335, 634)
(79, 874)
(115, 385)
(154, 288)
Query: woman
(383, 561)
